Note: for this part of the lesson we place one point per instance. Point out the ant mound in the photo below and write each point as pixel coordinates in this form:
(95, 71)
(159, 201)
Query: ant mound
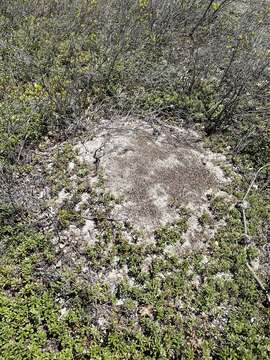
(154, 169)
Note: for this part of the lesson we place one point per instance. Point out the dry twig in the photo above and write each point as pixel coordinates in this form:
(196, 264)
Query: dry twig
(243, 206)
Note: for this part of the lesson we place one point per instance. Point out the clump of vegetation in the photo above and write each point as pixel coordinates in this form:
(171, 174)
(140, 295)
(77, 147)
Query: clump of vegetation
(210, 65)
(171, 234)
(66, 64)
(205, 219)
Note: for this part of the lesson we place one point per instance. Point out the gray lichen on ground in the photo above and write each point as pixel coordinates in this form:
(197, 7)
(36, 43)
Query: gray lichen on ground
(151, 169)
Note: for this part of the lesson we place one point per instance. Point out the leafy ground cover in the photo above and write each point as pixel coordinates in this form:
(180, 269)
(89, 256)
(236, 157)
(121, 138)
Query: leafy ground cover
(63, 66)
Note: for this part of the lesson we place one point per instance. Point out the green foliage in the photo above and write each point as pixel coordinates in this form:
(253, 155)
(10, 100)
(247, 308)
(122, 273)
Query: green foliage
(56, 64)
(20, 125)
(67, 217)
(127, 299)
(205, 219)
(171, 234)
(197, 106)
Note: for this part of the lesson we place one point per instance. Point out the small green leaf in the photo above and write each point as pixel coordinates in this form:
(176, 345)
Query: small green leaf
(215, 6)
